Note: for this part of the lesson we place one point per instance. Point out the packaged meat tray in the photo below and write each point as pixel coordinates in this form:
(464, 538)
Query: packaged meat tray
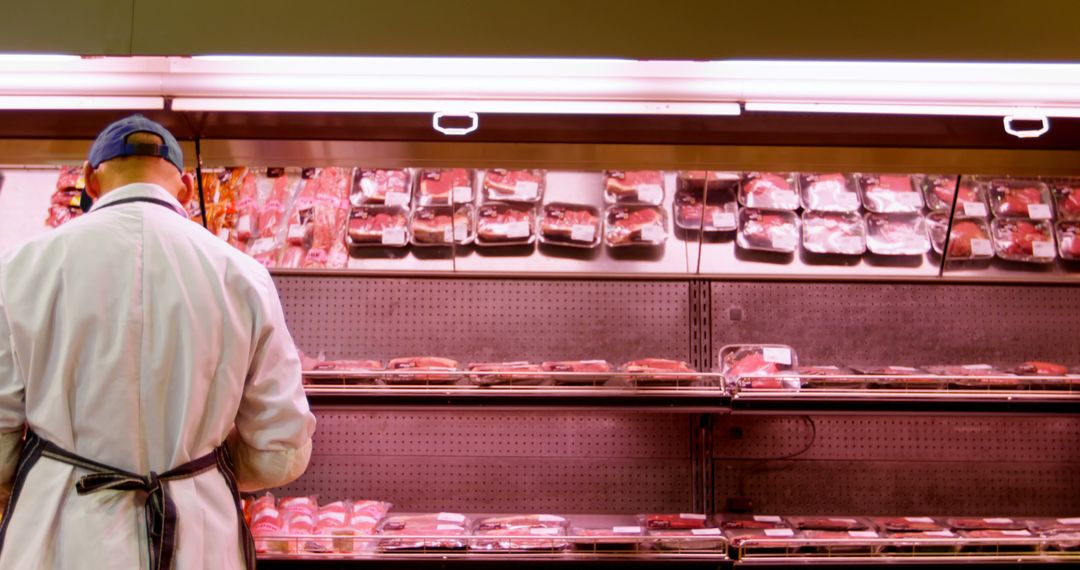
(268, 526)
(380, 226)
(438, 531)
(443, 370)
(829, 378)
(829, 192)
(634, 187)
(767, 230)
(592, 372)
(998, 541)
(64, 202)
(695, 539)
(1067, 201)
(907, 524)
(1068, 238)
(746, 522)
(770, 191)
(970, 238)
(1035, 373)
(607, 539)
(659, 372)
(504, 373)
(503, 185)
(635, 226)
(1062, 542)
(834, 233)
(352, 371)
(828, 523)
(681, 521)
(899, 378)
(1029, 199)
(499, 224)
(1023, 240)
(442, 225)
(989, 523)
(1053, 526)
(520, 532)
(928, 542)
(978, 377)
(897, 234)
(714, 210)
(760, 366)
(381, 186)
(444, 187)
(842, 542)
(753, 542)
(938, 193)
(342, 523)
(701, 180)
(1040, 368)
(889, 194)
(573, 225)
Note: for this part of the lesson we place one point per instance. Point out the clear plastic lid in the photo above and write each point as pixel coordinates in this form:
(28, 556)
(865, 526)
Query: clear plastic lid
(378, 226)
(1068, 238)
(697, 180)
(768, 230)
(714, 210)
(1027, 241)
(834, 233)
(634, 187)
(442, 225)
(381, 186)
(1067, 200)
(760, 366)
(970, 236)
(1015, 198)
(938, 190)
(889, 194)
(572, 225)
(829, 523)
(513, 185)
(502, 223)
(829, 192)
(444, 186)
(635, 225)
(770, 190)
(897, 234)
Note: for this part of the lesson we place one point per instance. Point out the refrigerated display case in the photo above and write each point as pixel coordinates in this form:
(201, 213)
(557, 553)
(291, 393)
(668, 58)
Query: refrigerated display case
(861, 384)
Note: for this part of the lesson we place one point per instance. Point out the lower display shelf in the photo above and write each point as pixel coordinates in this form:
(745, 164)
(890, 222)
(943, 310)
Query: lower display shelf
(857, 400)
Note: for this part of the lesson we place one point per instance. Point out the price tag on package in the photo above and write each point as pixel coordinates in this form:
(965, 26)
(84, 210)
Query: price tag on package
(448, 234)
(462, 194)
(1043, 249)
(395, 199)
(862, 534)
(243, 225)
(650, 193)
(394, 236)
(339, 517)
(974, 209)
(1070, 522)
(940, 533)
(461, 230)
(1016, 533)
(544, 531)
(517, 230)
(451, 517)
(998, 521)
(1039, 211)
(626, 530)
(447, 527)
(705, 531)
(981, 248)
(784, 241)
(526, 189)
(550, 518)
(653, 234)
(965, 367)
(585, 233)
(779, 532)
(927, 520)
(776, 355)
(692, 516)
(768, 518)
(723, 220)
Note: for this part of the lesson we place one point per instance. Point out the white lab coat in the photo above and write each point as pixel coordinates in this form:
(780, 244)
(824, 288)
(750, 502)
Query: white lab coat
(133, 337)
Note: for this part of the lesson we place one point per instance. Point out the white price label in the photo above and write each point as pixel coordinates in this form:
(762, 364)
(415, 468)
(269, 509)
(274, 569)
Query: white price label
(334, 516)
(722, 220)
(998, 521)
(910, 199)
(223, 234)
(544, 531)
(941, 533)
(394, 236)
(463, 194)
(445, 527)
(448, 234)
(1071, 521)
(517, 230)
(785, 199)
(849, 243)
(862, 534)
(768, 518)
(626, 530)
(1016, 533)
(966, 367)
(362, 519)
(585, 233)
(692, 516)
(526, 189)
(848, 200)
(550, 518)
(261, 246)
(451, 517)
(705, 531)
(243, 225)
(461, 230)
(776, 354)
(650, 193)
(974, 209)
(653, 234)
(396, 199)
(1039, 211)
(783, 241)
(981, 247)
(846, 521)
(1043, 249)
(902, 369)
(776, 532)
(296, 233)
(927, 520)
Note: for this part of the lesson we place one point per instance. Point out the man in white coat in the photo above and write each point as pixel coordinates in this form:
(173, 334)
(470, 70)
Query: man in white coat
(149, 366)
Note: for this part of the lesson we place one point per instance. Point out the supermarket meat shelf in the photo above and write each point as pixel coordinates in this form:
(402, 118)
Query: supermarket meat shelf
(898, 401)
(502, 561)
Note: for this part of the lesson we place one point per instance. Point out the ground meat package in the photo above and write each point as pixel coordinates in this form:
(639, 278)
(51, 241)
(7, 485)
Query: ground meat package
(1068, 238)
(1067, 201)
(889, 194)
(444, 187)
(442, 370)
(1011, 198)
(833, 233)
(495, 373)
(759, 366)
(897, 234)
(592, 372)
(381, 226)
(634, 187)
(381, 186)
(442, 226)
(635, 226)
(436, 531)
(520, 532)
(770, 191)
(938, 193)
(829, 192)
(572, 225)
(970, 239)
(1022, 240)
(513, 185)
(768, 230)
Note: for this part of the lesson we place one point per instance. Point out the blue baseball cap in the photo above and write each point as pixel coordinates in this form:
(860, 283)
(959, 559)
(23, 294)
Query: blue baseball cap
(112, 142)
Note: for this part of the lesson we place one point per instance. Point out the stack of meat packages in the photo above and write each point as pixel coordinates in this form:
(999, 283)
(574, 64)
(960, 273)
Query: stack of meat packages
(634, 216)
(895, 224)
(768, 220)
(1067, 202)
(380, 209)
(831, 222)
(507, 213)
(296, 525)
(970, 236)
(706, 201)
(314, 229)
(64, 204)
(1023, 227)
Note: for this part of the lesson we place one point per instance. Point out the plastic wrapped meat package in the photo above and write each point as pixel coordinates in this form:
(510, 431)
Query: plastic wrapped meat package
(659, 372)
(520, 532)
(1047, 375)
(264, 224)
(1059, 535)
(1023, 240)
(753, 542)
(381, 186)
(680, 521)
(759, 366)
(436, 531)
(768, 230)
(316, 223)
(829, 377)
(833, 233)
(770, 191)
(573, 225)
(970, 239)
(590, 372)
(899, 378)
(499, 224)
(65, 200)
(1067, 201)
(635, 226)
(442, 225)
(701, 180)
(444, 187)
(496, 373)
(977, 376)
(342, 523)
(999, 541)
(381, 226)
(428, 369)
(828, 523)
(1068, 238)
(833, 192)
(341, 371)
(745, 522)
(907, 524)
(897, 234)
(858, 542)
(1010, 198)
(634, 187)
(938, 193)
(714, 210)
(889, 194)
(606, 539)
(513, 185)
(684, 531)
(267, 525)
(920, 542)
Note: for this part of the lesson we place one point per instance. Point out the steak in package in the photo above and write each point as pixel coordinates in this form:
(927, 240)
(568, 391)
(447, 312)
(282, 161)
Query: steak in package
(681, 521)
(745, 522)
(710, 211)
(442, 225)
(635, 225)
(591, 372)
(916, 542)
(753, 542)
(897, 234)
(694, 539)
(1023, 240)
(520, 532)
(999, 541)
(977, 376)
(759, 366)
(572, 225)
(513, 185)
(381, 186)
(833, 233)
(938, 192)
(1011, 198)
(444, 187)
(64, 203)
(659, 371)
(1068, 237)
(970, 237)
(634, 187)
(437, 531)
(843, 542)
(494, 373)
(768, 230)
(907, 524)
(889, 194)
(899, 378)
(378, 226)
(1067, 200)
(829, 523)
(770, 191)
(701, 180)
(616, 538)
(826, 377)
(829, 193)
(443, 370)
(505, 224)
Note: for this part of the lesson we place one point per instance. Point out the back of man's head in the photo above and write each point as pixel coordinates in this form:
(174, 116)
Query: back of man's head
(122, 155)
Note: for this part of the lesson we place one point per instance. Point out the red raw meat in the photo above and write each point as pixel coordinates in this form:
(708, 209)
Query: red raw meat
(908, 524)
(514, 184)
(641, 367)
(753, 364)
(273, 210)
(375, 184)
(761, 227)
(504, 223)
(509, 373)
(674, 522)
(559, 220)
(963, 232)
(437, 186)
(1069, 203)
(431, 224)
(985, 524)
(695, 180)
(598, 366)
(765, 190)
(625, 184)
(828, 524)
(1015, 201)
(367, 226)
(64, 203)
(423, 363)
(625, 224)
(1037, 368)
(1018, 237)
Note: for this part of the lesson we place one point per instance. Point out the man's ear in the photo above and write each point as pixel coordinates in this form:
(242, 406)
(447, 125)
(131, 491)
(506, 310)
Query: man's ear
(187, 189)
(93, 188)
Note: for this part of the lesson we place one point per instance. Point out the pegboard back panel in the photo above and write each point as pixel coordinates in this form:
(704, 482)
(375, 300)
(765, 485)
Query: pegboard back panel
(917, 324)
(487, 319)
(501, 461)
